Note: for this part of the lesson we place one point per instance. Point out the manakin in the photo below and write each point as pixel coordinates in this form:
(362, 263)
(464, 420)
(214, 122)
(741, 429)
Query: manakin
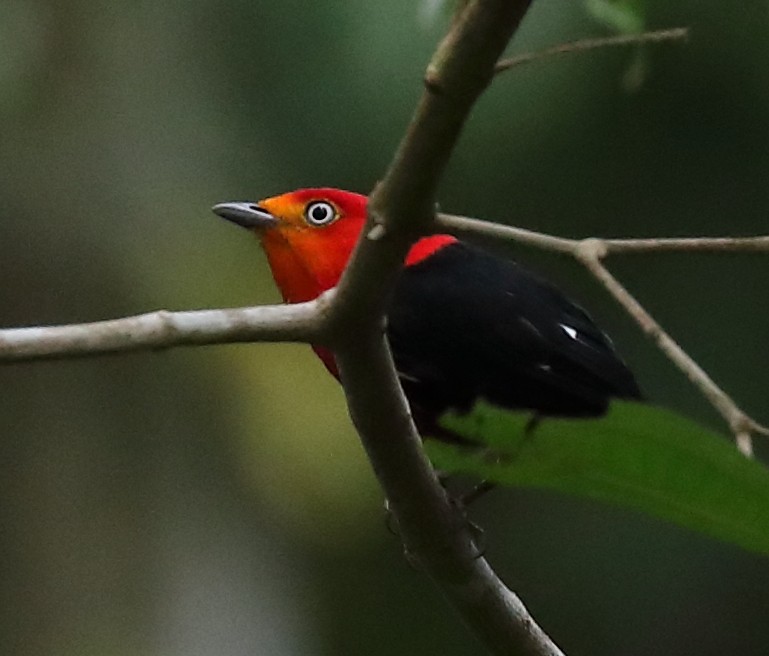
(464, 325)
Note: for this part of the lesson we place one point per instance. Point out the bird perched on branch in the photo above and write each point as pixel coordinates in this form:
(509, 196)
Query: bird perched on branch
(464, 325)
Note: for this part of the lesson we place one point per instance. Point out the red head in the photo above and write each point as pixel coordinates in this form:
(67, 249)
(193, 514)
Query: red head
(308, 236)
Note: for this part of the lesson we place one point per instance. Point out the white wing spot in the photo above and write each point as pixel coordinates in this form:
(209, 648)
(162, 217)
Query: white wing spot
(571, 332)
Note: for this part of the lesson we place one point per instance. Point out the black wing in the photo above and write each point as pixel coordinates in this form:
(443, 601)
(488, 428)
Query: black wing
(465, 324)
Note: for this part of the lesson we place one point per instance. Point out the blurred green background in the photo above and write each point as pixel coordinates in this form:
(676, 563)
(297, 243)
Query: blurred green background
(216, 501)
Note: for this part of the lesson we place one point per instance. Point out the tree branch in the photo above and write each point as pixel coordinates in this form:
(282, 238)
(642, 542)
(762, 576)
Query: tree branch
(400, 210)
(435, 534)
(697, 244)
(401, 207)
(303, 322)
(311, 322)
(739, 423)
(467, 226)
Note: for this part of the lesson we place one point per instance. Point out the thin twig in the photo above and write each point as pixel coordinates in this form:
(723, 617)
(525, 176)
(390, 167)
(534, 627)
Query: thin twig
(739, 423)
(692, 244)
(463, 225)
(583, 45)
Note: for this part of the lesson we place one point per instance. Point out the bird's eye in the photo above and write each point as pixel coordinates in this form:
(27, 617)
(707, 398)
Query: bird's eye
(319, 213)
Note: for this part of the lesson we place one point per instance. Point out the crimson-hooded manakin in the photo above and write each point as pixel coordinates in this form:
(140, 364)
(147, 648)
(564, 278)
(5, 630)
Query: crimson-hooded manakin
(464, 325)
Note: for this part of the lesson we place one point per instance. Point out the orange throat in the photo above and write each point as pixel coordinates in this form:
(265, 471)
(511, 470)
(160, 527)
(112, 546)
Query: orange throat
(295, 279)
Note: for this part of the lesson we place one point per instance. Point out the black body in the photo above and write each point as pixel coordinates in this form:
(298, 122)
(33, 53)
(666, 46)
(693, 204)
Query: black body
(466, 325)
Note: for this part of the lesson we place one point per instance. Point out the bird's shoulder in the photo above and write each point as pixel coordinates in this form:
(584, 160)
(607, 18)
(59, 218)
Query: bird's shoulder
(466, 283)
(463, 304)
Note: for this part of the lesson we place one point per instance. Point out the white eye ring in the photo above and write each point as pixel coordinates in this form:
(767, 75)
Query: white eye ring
(319, 213)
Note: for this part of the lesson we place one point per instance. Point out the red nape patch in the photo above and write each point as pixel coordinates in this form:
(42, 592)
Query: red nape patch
(425, 247)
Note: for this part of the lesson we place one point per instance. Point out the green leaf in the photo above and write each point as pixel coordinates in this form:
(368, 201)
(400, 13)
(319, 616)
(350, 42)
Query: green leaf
(621, 16)
(431, 10)
(637, 456)
(624, 17)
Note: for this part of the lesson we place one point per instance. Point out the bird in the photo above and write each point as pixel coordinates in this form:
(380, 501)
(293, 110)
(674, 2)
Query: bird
(464, 325)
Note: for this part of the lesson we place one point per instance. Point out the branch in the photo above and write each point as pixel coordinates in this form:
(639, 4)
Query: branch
(400, 210)
(700, 244)
(584, 45)
(401, 207)
(434, 533)
(739, 423)
(311, 322)
(466, 226)
(303, 322)
(591, 251)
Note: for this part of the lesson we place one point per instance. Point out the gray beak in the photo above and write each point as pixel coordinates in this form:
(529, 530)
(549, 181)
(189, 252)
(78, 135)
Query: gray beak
(245, 214)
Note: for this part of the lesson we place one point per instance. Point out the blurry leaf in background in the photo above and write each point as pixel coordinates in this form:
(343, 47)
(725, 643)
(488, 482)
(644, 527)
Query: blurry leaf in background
(636, 456)
(636, 72)
(431, 10)
(621, 16)
(625, 17)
